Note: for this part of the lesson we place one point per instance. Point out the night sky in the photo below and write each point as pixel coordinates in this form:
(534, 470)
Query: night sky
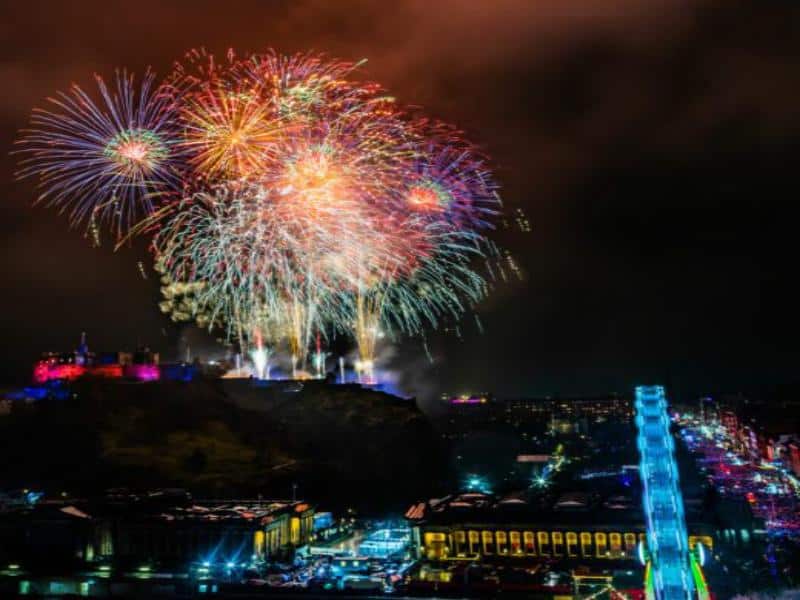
(654, 145)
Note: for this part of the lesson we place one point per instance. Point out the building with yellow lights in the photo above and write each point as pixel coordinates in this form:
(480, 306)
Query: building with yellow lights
(474, 526)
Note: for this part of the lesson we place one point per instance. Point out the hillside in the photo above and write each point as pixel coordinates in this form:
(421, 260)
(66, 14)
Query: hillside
(342, 445)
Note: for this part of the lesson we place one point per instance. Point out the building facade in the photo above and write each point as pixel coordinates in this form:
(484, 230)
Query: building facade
(475, 526)
(170, 535)
(477, 541)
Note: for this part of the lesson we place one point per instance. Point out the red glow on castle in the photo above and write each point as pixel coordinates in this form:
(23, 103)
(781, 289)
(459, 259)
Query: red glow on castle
(141, 365)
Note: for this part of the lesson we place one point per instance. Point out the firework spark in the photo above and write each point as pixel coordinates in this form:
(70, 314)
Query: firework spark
(108, 162)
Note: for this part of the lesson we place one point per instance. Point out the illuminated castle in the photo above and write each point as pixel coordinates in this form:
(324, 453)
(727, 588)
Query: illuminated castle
(142, 365)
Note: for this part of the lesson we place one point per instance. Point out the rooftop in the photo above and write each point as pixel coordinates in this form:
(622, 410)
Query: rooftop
(171, 505)
(568, 509)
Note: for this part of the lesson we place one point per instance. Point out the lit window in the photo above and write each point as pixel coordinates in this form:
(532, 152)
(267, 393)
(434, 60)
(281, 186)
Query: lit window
(586, 544)
(558, 543)
(488, 542)
(530, 547)
(514, 541)
(601, 544)
(572, 543)
(544, 543)
(502, 546)
(474, 542)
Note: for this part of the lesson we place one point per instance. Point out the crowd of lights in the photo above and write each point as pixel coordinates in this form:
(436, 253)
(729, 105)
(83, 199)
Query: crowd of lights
(769, 487)
(283, 199)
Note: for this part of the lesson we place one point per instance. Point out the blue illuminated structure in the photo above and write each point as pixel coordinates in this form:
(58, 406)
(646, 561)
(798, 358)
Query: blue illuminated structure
(669, 569)
(384, 543)
(476, 483)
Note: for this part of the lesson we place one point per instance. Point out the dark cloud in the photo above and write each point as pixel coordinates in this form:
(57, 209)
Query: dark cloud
(652, 144)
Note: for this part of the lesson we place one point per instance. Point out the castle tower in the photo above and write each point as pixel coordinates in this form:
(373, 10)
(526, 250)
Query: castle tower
(82, 352)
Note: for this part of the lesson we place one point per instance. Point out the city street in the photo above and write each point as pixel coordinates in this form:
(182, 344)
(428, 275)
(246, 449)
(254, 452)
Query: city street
(769, 487)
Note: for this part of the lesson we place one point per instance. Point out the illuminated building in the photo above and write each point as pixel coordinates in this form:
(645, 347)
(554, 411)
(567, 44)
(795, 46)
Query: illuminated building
(470, 412)
(566, 415)
(569, 410)
(216, 531)
(142, 365)
(758, 430)
(575, 527)
(594, 408)
(468, 399)
(169, 529)
(383, 543)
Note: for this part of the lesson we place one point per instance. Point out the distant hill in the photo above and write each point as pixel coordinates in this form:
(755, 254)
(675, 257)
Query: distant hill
(342, 445)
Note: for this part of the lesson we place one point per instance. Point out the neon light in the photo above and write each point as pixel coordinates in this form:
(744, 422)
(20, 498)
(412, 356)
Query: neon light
(112, 371)
(640, 551)
(701, 553)
(667, 541)
(703, 592)
(46, 370)
(142, 372)
(649, 587)
(468, 400)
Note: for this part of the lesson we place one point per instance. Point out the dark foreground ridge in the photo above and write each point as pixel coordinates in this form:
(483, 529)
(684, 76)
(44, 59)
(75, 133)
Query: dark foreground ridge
(354, 446)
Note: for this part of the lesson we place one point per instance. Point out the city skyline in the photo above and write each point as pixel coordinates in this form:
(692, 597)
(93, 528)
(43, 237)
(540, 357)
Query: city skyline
(476, 299)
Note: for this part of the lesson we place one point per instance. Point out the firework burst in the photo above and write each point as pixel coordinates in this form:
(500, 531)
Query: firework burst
(303, 203)
(108, 162)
